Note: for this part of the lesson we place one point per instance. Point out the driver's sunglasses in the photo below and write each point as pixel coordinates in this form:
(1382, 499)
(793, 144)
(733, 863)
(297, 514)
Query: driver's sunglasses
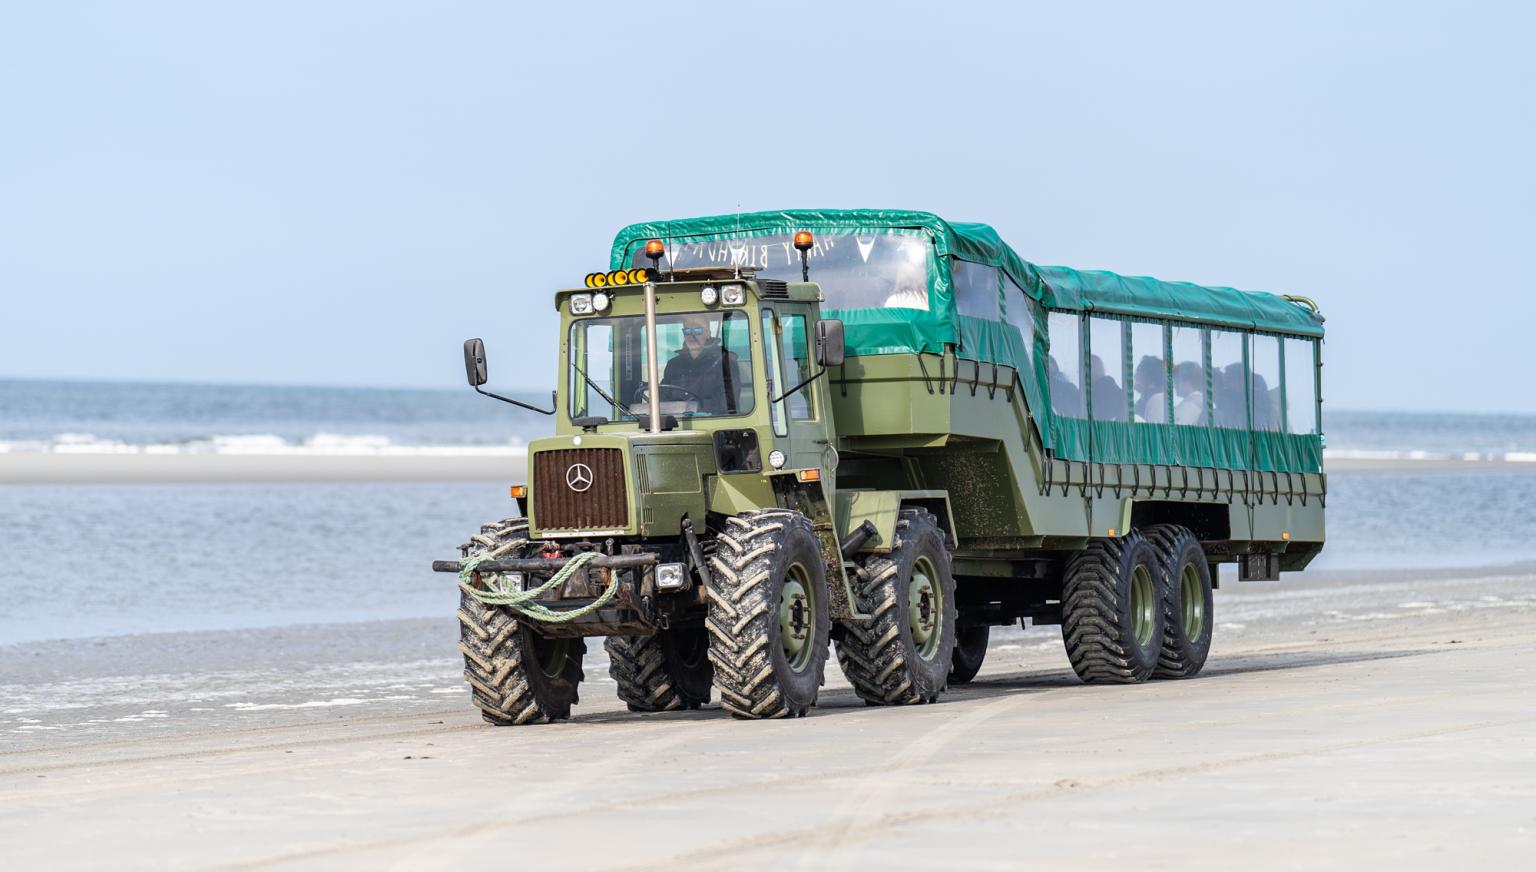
(693, 331)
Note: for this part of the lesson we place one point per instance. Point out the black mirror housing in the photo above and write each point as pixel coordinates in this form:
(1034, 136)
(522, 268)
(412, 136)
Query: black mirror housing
(829, 342)
(474, 362)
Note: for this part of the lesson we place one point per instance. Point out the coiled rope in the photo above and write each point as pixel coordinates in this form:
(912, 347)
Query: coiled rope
(499, 593)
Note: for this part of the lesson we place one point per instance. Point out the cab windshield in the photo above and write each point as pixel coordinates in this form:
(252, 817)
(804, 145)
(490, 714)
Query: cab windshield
(705, 364)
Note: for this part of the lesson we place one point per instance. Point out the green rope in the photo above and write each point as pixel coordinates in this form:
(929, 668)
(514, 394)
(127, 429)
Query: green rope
(498, 593)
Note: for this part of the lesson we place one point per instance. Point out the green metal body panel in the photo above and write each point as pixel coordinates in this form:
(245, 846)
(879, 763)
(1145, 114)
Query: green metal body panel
(964, 434)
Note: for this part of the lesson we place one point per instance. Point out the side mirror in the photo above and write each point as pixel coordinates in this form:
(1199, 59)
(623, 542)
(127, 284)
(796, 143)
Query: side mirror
(474, 362)
(829, 342)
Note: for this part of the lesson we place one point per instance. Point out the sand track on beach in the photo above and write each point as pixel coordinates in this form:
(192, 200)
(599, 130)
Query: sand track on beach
(1385, 719)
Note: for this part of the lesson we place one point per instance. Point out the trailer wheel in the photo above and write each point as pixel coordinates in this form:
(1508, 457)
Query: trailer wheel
(1188, 605)
(769, 621)
(663, 672)
(516, 676)
(970, 651)
(904, 655)
(1111, 610)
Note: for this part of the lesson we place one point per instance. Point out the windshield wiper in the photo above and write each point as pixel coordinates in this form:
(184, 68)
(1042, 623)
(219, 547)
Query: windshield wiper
(602, 393)
(797, 387)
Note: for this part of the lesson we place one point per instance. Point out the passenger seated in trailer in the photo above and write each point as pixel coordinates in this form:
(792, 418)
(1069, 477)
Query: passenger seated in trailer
(1066, 399)
(1108, 396)
(1230, 399)
(1151, 383)
(1189, 389)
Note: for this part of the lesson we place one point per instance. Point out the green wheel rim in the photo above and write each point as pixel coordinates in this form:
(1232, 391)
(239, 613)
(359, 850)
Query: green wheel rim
(1192, 595)
(925, 609)
(1143, 605)
(552, 655)
(797, 617)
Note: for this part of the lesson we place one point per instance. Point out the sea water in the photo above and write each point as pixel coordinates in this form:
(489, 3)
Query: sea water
(85, 560)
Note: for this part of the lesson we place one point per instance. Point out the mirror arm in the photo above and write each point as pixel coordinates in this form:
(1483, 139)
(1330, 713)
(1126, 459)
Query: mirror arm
(550, 411)
(797, 387)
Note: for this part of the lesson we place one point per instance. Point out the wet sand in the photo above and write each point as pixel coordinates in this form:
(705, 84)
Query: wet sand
(139, 468)
(1344, 720)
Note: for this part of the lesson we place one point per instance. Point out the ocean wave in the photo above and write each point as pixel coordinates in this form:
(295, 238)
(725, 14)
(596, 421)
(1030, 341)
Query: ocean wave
(1416, 455)
(260, 444)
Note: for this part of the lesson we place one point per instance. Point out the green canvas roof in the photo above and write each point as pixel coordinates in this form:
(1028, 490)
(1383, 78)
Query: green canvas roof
(1057, 287)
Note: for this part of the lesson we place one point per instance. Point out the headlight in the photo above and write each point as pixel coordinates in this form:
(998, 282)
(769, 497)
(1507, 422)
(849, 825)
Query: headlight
(776, 459)
(671, 576)
(708, 295)
(733, 295)
(600, 302)
(581, 304)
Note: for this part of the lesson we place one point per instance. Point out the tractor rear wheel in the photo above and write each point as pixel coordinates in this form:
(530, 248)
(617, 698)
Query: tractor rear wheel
(1188, 605)
(769, 619)
(1111, 610)
(516, 676)
(663, 672)
(903, 655)
(970, 651)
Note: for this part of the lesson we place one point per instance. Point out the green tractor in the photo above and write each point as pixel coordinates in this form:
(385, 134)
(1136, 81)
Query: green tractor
(932, 438)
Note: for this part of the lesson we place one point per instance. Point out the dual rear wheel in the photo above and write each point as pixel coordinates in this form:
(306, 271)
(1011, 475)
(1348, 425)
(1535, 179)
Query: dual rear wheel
(1138, 607)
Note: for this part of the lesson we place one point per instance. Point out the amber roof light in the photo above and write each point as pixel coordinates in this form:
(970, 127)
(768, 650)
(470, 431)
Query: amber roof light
(804, 240)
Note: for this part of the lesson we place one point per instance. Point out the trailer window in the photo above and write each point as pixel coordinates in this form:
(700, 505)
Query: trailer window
(1149, 373)
(1065, 365)
(1106, 370)
(1301, 385)
(1020, 312)
(975, 289)
(886, 270)
(1189, 405)
(1229, 381)
(1264, 364)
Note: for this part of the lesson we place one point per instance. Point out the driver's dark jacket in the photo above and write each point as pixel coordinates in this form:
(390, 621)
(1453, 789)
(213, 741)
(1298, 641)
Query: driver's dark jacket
(713, 377)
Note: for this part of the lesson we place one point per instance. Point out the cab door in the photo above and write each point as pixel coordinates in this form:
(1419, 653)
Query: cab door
(799, 420)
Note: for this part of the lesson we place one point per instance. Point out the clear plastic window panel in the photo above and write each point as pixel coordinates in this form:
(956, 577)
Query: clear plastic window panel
(1149, 373)
(976, 290)
(1106, 370)
(856, 271)
(1064, 367)
(1189, 400)
(1020, 312)
(1229, 381)
(1301, 385)
(1264, 364)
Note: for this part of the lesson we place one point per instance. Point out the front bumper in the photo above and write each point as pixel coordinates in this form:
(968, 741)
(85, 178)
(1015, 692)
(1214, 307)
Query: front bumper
(632, 612)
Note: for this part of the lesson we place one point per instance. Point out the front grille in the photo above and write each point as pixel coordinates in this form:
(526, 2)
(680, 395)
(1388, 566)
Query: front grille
(603, 506)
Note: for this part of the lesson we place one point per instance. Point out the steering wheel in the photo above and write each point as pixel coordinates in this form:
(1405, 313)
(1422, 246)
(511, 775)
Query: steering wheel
(643, 393)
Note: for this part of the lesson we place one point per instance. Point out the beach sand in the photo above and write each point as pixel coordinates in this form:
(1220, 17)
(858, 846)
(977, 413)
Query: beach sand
(1345, 720)
(144, 468)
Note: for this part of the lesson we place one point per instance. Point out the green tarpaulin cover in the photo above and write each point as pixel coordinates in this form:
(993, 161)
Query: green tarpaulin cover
(906, 331)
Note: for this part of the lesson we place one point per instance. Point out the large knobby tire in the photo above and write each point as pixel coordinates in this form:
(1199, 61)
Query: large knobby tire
(1111, 610)
(769, 620)
(902, 656)
(516, 676)
(970, 651)
(663, 672)
(1188, 605)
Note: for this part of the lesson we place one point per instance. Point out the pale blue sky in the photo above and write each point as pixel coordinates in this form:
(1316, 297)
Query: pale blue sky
(340, 193)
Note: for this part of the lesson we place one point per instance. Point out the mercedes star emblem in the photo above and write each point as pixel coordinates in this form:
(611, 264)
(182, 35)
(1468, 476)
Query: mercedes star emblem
(578, 477)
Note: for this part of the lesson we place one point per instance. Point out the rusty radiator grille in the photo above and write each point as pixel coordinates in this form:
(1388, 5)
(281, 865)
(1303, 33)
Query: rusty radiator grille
(559, 502)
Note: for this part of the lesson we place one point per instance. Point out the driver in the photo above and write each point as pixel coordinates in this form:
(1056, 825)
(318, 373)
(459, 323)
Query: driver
(706, 372)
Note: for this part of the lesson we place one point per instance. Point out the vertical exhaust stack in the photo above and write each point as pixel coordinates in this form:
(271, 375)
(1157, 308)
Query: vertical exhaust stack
(653, 372)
